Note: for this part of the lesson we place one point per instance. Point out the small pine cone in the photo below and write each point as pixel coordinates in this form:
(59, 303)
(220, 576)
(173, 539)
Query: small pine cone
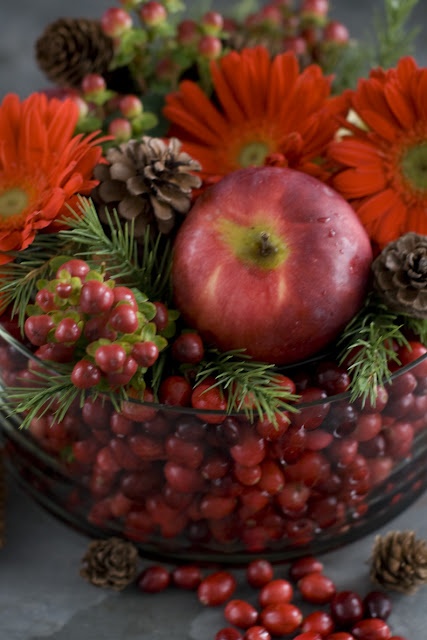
(147, 181)
(69, 49)
(400, 275)
(399, 561)
(111, 563)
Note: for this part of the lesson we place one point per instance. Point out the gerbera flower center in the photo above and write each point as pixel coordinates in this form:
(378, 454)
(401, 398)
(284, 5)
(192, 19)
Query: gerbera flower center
(414, 166)
(253, 154)
(13, 201)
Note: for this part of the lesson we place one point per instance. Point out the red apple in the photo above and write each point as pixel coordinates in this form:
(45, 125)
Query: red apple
(273, 261)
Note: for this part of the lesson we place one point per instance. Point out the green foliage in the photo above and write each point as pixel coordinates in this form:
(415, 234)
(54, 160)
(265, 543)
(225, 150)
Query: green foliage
(394, 38)
(118, 251)
(367, 346)
(251, 386)
(19, 278)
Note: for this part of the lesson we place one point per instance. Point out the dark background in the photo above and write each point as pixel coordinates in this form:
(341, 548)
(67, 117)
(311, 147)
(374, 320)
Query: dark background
(22, 21)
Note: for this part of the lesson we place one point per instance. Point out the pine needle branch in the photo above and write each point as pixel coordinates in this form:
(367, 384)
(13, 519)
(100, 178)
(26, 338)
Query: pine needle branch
(394, 38)
(367, 348)
(417, 326)
(118, 250)
(19, 278)
(251, 387)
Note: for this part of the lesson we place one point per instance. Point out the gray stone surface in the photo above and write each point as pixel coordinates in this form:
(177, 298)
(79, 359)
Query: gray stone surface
(42, 597)
(41, 593)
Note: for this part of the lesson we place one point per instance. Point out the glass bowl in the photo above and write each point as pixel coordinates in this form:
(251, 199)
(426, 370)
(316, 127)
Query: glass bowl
(222, 488)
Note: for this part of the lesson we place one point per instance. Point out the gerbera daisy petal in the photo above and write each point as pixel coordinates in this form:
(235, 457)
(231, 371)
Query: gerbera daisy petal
(382, 171)
(44, 170)
(399, 106)
(259, 103)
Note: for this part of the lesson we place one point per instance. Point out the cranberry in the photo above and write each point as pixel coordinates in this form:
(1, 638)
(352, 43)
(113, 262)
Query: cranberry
(207, 395)
(311, 417)
(332, 378)
(259, 573)
(371, 629)
(281, 618)
(187, 577)
(303, 566)
(188, 348)
(154, 579)
(257, 633)
(250, 451)
(308, 635)
(216, 588)
(292, 499)
(319, 622)
(228, 633)
(346, 608)
(278, 590)
(124, 294)
(340, 635)
(240, 613)
(110, 357)
(189, 454)
(316, 588)
(377, 604)
(175, 391)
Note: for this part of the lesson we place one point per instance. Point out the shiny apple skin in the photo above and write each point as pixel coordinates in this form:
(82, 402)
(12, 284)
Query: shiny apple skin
(282, 313)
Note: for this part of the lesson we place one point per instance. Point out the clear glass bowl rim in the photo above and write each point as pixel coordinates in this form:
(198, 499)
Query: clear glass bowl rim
(286, 370)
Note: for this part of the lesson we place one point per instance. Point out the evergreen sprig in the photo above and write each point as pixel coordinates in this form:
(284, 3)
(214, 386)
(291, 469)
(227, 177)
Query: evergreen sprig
(117, 249)
(19, 278)
(251, 387)
(394, 38)
(367, 347)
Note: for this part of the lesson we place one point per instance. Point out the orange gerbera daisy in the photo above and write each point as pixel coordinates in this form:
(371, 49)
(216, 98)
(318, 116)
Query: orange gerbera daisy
(264, 111)
(43, 166)
(382, 164)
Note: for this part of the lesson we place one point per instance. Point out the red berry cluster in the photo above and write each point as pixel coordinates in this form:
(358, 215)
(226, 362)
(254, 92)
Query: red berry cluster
(170, 49)
(279, 607)
(81, 317)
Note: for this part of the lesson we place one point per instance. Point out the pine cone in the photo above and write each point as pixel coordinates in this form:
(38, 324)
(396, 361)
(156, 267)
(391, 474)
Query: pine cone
(147, 181)
(399, 561)
(400, 275)
(111, 563)
(69, 49)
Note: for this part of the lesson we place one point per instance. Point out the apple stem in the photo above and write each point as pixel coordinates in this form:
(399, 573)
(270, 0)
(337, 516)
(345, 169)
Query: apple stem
(265, 246)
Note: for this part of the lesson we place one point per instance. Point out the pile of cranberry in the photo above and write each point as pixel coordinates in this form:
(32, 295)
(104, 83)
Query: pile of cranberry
(278, 611)
(179, 476)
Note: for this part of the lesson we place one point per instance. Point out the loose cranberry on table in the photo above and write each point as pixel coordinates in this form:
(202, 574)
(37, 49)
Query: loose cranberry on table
(281, 618)
(302, 566)
(240, 613)
(278, 590)
(259, 572)
(346, 608)
(257, 633)
(377, 604)
(216, 588)
(187, 576)
(320, 622)
(371, 629)
(228, 633)
(154, 579)
(316, 588)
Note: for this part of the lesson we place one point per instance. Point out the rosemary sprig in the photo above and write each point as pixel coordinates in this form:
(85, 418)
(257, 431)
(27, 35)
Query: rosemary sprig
(367, 347)
(252, 387)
